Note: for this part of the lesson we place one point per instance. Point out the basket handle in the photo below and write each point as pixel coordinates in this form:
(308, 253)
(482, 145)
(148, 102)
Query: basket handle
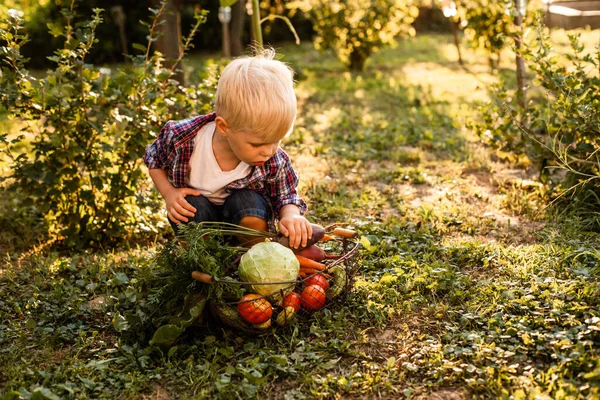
(202, 277)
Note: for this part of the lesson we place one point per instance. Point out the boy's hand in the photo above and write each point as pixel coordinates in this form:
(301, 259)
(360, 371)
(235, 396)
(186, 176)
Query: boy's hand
(178, 209)
(297, 229)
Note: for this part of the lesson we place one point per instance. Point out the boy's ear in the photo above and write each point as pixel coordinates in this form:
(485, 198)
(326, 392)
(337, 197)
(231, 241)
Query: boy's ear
(221, 126)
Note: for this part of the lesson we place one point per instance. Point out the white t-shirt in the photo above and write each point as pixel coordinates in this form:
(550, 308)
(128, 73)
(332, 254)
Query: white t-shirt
(205, 173)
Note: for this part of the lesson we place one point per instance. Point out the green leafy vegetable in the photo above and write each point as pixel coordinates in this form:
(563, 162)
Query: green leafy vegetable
(269, 262)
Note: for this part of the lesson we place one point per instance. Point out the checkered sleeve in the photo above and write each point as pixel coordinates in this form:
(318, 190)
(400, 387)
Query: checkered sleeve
(157, 153)
(283, 189)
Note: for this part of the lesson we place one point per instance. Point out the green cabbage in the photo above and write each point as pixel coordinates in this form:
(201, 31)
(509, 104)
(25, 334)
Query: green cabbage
(269, 262)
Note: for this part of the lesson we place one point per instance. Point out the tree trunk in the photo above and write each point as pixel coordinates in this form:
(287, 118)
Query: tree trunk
(454, 26)
(169, 42)
(520, 64)
(357, 61)
(226, 40)
(258, 40)
(238, 11)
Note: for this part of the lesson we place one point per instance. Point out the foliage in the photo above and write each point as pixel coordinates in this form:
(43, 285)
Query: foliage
(560, 129)
(88, 128)
(493, 318)
(26, 10)
(39, 15)
(355, 29)
(277, 31)
(41, 18)
(168, 300)
(489, 24)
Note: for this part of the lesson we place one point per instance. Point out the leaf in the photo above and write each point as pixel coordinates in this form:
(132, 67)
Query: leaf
(101, 364)
(121, 278)
(166, 335)
(391, 362)
(90, 384)
(526, 339)
(366, 243)
(120, 323)
(44, 393)
(139, 47)
(387, 278)
(90, 74)
(196, 311)
(227, 3)
(55, 29)
(279, 359)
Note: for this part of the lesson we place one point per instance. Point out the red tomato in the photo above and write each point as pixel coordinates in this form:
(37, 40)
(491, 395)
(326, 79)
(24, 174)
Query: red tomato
(292, 300)
(255, 311)
(318, 280)
(313, 297)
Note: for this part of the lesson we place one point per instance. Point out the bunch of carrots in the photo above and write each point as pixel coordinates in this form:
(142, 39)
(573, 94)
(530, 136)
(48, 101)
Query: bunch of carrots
(311, 257)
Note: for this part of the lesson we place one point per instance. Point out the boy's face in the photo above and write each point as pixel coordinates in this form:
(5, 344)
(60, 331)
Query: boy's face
(252, 148)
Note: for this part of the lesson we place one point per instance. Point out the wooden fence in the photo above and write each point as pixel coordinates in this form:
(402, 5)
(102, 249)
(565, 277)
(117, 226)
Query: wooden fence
(573, 14)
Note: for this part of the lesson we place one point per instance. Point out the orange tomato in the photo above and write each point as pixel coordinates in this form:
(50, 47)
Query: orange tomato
(292, 300)
(318, 280)
(255, 309)
(313, 297)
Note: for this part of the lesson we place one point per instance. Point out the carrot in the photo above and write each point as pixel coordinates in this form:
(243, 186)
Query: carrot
(202, 277)
(310, 270)
(327, 238)
(345, 233)
(306, 262)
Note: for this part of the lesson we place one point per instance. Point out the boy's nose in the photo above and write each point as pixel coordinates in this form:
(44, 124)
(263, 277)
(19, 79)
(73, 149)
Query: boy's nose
(268, 151)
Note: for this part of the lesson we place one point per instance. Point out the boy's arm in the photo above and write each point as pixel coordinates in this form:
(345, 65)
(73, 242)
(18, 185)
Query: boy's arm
(288, 204)
(156, 159)
(177, 206)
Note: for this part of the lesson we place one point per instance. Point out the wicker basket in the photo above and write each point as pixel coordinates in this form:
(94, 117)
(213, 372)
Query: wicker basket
(340, 272)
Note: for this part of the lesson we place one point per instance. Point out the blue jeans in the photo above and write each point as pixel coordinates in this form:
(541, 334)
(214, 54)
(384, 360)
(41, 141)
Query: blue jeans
(239, 204)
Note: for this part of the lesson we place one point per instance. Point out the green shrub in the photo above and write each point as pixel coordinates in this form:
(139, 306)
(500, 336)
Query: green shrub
(87, 131)
(560, 129)
(355, 29)
(489, 24)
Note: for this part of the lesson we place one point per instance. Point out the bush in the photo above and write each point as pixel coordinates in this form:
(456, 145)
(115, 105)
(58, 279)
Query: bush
(355, 29)
(559, 129)
(87, 131)
(489, 24)
(39, 16)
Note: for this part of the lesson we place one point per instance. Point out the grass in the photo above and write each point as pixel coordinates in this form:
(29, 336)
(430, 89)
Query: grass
(468, 289)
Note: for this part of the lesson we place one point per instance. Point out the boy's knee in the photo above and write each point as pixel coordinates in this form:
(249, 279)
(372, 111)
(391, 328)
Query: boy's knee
(205, 210)
(197, 201)
(245, 203)
(253, 222)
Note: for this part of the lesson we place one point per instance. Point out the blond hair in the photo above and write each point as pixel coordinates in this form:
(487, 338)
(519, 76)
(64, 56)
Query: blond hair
(256, 95)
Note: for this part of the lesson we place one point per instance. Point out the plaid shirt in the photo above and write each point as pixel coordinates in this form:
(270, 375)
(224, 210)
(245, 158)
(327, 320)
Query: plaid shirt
(276, 180)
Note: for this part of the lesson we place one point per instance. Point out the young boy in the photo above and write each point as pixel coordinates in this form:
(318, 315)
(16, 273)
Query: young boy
(227, 165)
